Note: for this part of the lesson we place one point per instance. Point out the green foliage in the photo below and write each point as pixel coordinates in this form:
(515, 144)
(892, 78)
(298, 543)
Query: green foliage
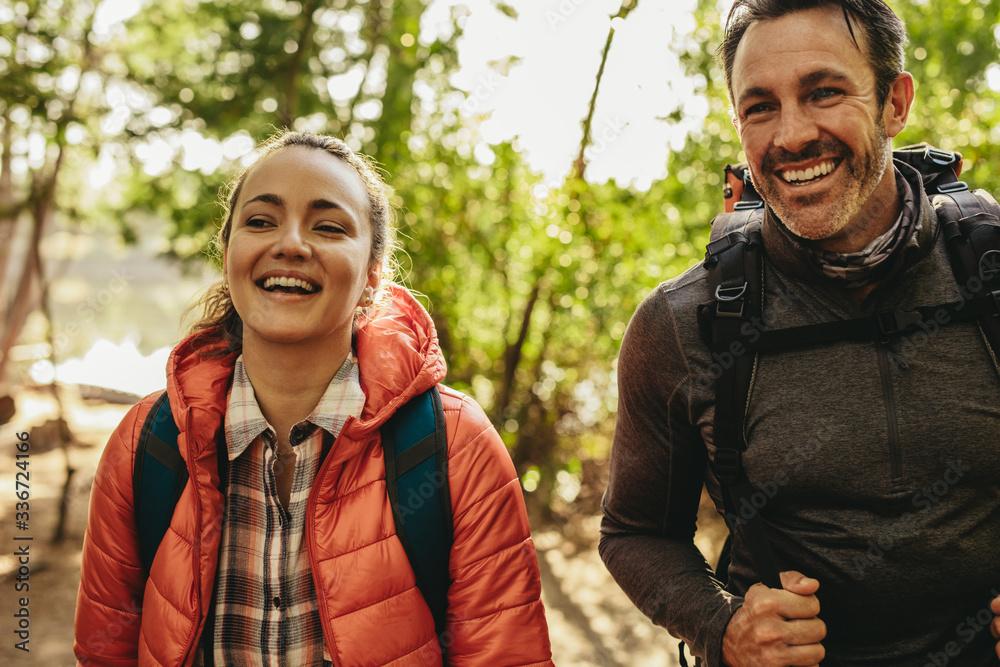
(531, 288)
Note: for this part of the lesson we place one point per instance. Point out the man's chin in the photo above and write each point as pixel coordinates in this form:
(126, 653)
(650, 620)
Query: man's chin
(813, 225)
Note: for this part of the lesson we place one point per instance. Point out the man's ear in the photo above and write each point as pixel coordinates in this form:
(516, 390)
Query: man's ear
(897, 105)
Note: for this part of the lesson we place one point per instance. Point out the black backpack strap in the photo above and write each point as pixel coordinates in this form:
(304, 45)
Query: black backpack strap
(735, 265)
(971, 224)
(158, 477)
(880, 327)
(415, 446)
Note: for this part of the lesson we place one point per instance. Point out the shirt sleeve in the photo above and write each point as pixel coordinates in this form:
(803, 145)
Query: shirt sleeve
(658, 464)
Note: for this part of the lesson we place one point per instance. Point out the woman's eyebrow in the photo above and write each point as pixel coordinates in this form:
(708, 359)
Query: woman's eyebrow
(268, 198)
(276, 200)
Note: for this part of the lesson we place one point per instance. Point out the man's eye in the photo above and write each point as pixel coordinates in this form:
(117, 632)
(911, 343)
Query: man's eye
(826, 93)
(757, 108)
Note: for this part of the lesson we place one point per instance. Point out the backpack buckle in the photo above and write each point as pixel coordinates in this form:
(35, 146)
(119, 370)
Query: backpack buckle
(748, 205)
(948, 188)
(989, 265)
(892, 322)
(941, 157)
(729, 300)
(728, 464)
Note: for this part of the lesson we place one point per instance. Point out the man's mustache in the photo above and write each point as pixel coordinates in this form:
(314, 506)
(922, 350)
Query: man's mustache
(777, 157)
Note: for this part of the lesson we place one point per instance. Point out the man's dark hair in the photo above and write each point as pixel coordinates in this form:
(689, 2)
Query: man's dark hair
(884, 33)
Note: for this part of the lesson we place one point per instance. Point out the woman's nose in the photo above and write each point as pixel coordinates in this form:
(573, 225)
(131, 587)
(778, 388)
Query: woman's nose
(292, 241)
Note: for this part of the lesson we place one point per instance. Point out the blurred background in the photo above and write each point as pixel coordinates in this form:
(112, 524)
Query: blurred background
(553, 160)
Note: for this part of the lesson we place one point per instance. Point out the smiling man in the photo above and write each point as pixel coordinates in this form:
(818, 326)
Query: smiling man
(830, 374)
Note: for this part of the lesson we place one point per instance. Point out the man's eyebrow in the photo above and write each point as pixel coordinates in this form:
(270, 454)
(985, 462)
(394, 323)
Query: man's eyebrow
(756, 91)
(825, 74)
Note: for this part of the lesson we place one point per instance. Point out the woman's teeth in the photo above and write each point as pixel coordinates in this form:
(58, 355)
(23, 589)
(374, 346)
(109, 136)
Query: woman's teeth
(283, 281)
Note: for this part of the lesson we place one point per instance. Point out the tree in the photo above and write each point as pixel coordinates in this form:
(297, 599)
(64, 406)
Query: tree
(530, 286)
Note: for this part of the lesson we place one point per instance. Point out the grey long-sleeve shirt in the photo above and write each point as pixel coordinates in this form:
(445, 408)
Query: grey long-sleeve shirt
(882, 462)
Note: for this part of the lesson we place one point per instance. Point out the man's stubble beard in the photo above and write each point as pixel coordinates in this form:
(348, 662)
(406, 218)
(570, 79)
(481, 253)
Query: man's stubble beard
(800, 215)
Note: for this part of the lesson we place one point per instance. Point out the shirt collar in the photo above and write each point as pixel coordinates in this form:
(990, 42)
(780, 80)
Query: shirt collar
(343, 398)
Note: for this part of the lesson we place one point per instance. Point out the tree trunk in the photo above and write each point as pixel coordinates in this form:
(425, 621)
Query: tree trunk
(26, 298)
(24, 301)
(8, 212)
(512, 357)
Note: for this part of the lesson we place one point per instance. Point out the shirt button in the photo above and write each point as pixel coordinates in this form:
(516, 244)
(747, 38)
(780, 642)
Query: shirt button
(277, 603)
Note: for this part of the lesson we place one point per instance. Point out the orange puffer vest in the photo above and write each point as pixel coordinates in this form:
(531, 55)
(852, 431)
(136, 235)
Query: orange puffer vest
(371, 610)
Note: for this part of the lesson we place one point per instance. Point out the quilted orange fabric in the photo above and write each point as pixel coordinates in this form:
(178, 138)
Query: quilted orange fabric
(372, 612)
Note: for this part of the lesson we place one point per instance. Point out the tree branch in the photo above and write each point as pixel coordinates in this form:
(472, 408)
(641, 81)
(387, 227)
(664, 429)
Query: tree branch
(580, 164)
(512, 355)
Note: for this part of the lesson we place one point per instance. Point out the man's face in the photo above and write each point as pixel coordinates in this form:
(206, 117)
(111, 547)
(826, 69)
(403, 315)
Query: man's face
(810, 123)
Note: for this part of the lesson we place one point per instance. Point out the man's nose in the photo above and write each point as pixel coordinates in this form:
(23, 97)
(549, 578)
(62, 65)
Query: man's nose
(797, 129)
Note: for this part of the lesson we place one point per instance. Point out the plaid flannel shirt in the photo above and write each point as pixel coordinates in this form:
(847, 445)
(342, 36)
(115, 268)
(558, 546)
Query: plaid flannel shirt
(265, 601)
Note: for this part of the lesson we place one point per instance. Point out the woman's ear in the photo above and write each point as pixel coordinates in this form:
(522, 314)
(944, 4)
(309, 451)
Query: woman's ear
(374, 278)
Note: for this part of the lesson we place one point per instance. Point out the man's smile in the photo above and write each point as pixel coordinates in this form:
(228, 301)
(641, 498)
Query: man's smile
(809, 174)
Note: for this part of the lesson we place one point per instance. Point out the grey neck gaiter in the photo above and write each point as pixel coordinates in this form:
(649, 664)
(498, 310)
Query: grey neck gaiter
(866, 266)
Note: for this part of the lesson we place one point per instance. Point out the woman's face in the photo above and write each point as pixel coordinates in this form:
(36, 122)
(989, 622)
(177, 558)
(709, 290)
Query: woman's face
(297, 262)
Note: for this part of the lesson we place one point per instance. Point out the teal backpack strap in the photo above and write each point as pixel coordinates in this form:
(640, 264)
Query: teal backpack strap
(416, 478)
(158, 477)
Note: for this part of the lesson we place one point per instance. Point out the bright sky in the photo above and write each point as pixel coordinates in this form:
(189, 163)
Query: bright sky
(545, 97)
(541, 100)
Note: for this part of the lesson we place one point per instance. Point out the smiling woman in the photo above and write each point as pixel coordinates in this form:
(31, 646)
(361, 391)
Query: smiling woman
(283, 543)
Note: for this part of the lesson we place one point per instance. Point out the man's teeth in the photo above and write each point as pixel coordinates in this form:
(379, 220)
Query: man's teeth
(288, 282)
(800, 175)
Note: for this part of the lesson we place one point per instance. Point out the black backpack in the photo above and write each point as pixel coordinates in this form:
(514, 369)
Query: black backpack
(731, 322)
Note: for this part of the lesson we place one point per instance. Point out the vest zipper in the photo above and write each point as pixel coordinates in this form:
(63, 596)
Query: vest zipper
(329, 638)
(890, 411)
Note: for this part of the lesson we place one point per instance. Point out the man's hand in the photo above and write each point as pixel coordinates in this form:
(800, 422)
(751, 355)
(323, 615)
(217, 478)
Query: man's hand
(779, 628)
(995, 625)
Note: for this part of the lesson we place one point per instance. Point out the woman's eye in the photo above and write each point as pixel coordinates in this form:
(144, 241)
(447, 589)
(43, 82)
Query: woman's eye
(257, 222)
(330, 229)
